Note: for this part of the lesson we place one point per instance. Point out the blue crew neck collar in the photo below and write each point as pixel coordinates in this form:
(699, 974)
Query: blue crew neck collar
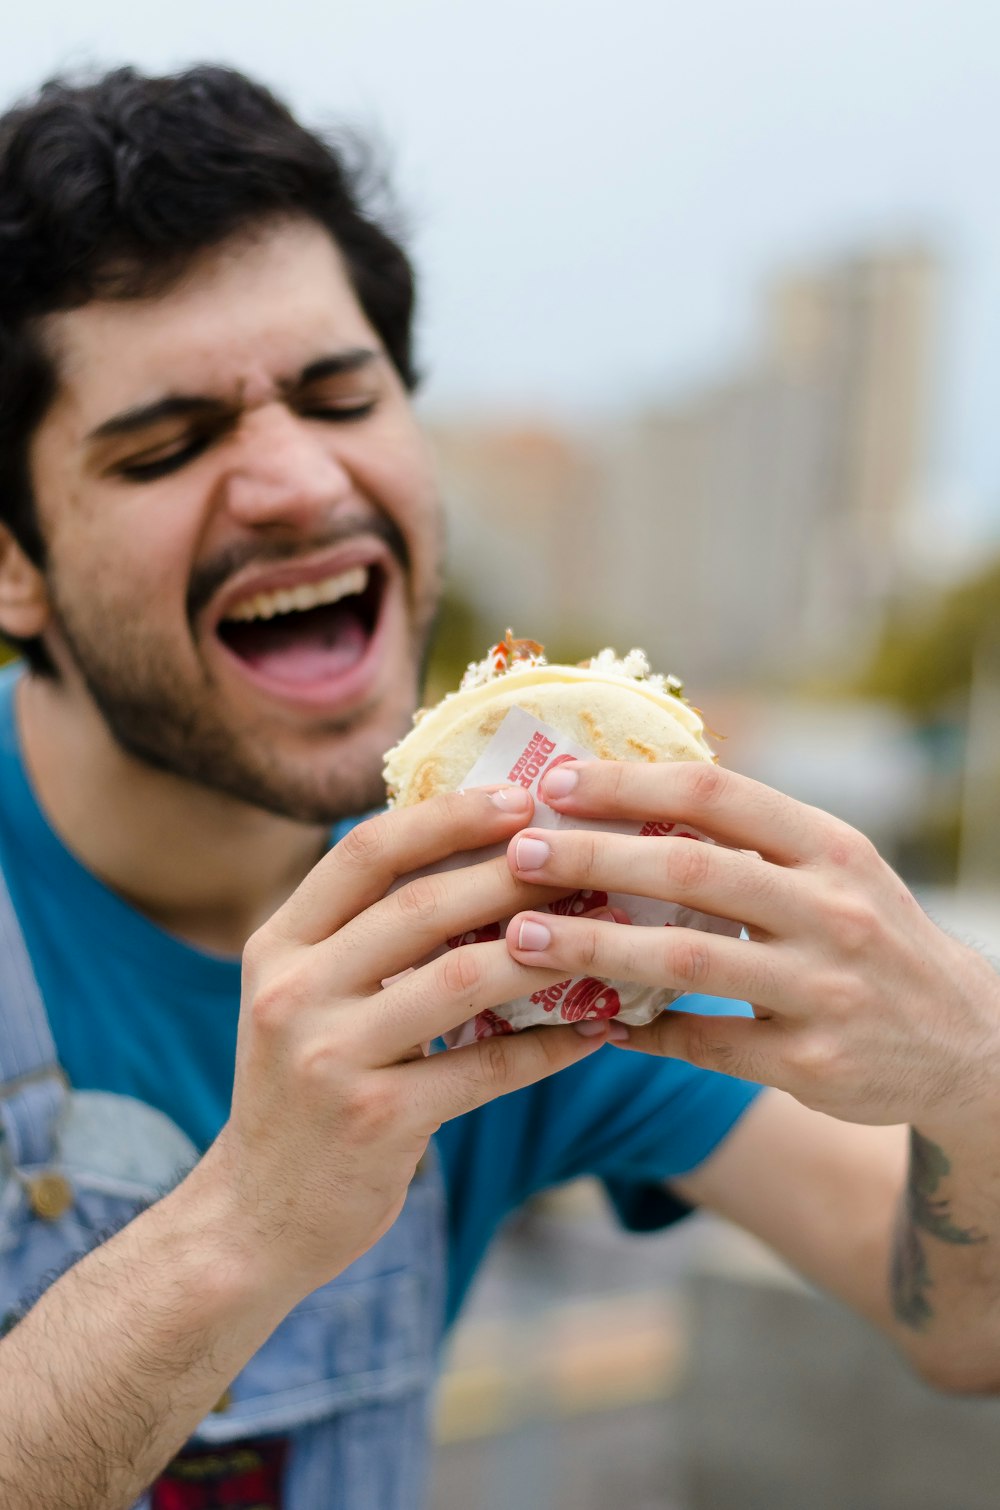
(120, 925)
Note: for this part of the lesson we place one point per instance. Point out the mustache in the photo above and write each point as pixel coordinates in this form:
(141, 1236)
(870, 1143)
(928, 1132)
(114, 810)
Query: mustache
(207, 578)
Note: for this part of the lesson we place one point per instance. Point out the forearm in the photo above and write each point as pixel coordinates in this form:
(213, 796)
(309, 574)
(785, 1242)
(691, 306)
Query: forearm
(944, 1279)
(107, 1375)
(821, 1194)
(910, 1241)
(910, 1245)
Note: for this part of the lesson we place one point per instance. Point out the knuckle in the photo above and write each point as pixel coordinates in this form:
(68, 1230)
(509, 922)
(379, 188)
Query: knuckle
(688, 863)
(844, 995)
(812, 1058)
(589, 948)
(311, 1065)
(365, 844)
(420, 901)
(616, 775)
(705, 782)
(687, 961)
(848, 849)
(494, 1062)
(853, 923)
(703, 1045)
(366, 1104)
(719, 1054)
(462, 972)
(585, 854)
(276, 1002)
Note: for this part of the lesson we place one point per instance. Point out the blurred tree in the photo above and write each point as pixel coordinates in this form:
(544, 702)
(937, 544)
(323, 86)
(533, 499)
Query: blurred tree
(925, 659)
(460, 636)
(464, 633)
(936, 660)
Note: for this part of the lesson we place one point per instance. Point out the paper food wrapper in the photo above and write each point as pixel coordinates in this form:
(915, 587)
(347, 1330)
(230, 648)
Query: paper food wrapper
(521, 751)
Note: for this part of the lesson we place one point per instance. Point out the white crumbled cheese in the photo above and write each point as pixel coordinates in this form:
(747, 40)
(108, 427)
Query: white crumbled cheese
(635, 664)
(478, 673)
(635, 667)
(631, 667)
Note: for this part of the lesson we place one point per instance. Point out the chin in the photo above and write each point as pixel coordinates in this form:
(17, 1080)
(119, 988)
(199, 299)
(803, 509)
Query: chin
(342, 783)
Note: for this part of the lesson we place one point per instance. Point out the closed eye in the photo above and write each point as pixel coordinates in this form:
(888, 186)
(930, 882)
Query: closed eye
(161, 463)
(338, 413)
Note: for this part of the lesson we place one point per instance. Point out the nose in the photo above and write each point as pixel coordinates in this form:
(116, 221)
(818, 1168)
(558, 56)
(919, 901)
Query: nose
(285, 472)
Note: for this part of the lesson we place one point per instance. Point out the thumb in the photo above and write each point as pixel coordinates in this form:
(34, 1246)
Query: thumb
(738, 1046)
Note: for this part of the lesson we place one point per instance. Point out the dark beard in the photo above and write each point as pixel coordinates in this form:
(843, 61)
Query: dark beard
(200, 751)
(158, 719)
(157, 724)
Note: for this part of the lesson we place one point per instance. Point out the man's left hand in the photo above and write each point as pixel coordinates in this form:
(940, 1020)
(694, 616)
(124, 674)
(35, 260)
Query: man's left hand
(863, 1008)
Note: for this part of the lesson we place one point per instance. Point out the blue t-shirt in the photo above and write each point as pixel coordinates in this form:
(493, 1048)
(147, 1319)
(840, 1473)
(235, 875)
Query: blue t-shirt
(138, 1012)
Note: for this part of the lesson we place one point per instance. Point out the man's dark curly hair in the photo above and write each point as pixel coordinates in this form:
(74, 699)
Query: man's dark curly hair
(109, 187)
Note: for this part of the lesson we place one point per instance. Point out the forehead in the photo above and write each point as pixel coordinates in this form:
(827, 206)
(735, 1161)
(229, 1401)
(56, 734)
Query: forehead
(251, 312)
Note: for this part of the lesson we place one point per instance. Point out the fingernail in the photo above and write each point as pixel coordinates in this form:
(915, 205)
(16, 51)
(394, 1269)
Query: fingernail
(560, 782)
(510, 799)
(588, 1029)
(531, 854)
(617, 1031)
(533, 935)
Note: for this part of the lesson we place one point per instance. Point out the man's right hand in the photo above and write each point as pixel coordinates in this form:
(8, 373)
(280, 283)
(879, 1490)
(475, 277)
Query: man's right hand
(334, 1102)
(334, 1099)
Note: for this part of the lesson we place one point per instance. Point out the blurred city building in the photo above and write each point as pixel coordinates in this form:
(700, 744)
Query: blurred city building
(524, 510)
(751, 530)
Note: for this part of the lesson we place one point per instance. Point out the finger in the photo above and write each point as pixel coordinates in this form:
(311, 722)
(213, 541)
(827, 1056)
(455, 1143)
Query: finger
(405, 927)
(676, 959)
(725, 882)
(740, 1046)
(441, 996)
(731, 808)
(361, 868)
(463, 1079)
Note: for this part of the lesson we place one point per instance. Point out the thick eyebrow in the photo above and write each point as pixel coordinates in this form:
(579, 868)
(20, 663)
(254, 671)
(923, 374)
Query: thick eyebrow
(174, 406)
(335, 364)
(186, 406)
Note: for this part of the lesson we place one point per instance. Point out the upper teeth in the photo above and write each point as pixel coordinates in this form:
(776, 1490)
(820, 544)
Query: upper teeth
(264, 605)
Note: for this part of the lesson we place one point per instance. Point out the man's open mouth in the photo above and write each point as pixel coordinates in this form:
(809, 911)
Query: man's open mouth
(311, 633)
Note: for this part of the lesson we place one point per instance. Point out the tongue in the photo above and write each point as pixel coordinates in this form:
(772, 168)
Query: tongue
(308, 647)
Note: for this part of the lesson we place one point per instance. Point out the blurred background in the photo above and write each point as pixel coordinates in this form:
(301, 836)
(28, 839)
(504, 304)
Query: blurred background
(710, 318)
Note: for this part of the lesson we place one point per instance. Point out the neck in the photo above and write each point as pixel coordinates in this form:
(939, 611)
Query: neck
(205, 866)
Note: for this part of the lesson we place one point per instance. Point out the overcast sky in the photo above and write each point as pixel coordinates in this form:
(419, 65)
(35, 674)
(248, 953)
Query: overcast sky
(598, 192)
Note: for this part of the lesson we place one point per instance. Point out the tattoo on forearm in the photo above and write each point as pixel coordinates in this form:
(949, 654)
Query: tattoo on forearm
(925, 1210)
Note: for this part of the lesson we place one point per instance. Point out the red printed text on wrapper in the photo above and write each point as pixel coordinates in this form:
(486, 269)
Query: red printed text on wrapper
(532, 760)
(586, 998)
(522, 750)
(659, 830)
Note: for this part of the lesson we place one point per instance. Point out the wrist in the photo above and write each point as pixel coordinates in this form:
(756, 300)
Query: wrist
(962, 1101)
(230, 1270)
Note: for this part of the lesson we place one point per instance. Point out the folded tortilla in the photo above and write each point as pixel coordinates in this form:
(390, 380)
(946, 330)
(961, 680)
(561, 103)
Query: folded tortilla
(614, 707)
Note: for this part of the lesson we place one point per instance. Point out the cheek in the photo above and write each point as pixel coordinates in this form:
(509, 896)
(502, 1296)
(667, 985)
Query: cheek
(404, 481)
(125, 559)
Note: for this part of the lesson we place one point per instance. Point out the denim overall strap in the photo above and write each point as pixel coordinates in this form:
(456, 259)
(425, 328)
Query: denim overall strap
(32, 1086)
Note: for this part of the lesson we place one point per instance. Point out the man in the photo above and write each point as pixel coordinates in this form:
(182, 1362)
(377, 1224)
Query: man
(220, 556)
